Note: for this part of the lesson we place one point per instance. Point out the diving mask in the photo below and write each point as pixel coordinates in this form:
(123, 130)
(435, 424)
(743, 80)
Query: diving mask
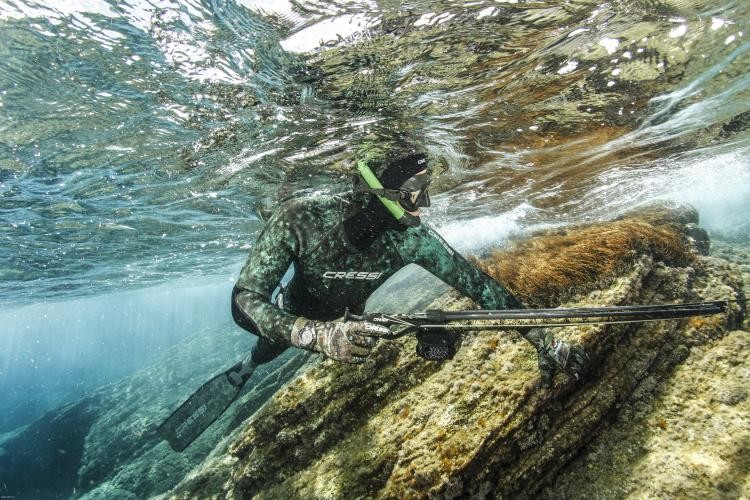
(413, 192)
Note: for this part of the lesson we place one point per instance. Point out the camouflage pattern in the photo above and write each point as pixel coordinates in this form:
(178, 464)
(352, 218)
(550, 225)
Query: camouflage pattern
(556, 355)
(350, 341)
(331, 275)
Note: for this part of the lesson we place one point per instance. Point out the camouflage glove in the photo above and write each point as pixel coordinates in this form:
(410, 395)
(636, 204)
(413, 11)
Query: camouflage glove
(556, 355)
(350, 342)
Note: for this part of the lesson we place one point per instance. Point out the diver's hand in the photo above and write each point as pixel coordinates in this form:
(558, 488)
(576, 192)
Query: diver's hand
(350, 341)
(555, 354)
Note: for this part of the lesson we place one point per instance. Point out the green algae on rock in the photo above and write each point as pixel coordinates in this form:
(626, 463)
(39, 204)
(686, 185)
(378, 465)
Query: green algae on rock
(480, 424)
(687, 436)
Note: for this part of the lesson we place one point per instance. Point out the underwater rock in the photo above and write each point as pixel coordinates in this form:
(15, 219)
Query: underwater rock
(123, 453)
(42, 460)
(686, 438)
(103, 446)
(481, 424)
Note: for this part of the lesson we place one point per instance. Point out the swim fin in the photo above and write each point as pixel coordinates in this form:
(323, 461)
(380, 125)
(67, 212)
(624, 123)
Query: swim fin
(205, 405)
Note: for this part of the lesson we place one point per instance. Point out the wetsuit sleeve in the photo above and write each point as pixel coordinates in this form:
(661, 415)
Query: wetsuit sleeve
(424, 247)
(276, 248)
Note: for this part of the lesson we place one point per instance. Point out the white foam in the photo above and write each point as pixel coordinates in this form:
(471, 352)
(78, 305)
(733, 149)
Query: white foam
(483, 233)
(55, 9)
(718, 185)
(610, 44)
(328, 30)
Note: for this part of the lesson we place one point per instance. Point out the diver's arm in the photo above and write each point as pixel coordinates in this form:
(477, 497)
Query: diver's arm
(427, 249)
(270, 258)
(424, 247)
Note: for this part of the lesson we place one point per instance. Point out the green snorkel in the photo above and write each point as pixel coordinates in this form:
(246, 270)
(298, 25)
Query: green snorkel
(376, 188)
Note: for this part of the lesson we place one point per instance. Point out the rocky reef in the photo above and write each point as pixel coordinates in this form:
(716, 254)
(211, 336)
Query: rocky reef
(663, 410)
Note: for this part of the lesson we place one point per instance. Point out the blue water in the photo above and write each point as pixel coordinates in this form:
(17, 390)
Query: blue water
(142, 143)
(57, 350)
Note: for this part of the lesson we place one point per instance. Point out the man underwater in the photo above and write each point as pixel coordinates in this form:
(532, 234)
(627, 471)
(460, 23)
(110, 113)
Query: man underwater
(341, 249)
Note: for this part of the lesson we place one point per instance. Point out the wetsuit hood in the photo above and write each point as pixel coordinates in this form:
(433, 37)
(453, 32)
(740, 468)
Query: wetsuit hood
(402, 170)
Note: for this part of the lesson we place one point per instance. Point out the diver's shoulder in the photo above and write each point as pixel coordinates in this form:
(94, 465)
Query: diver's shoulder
(311, 205)
(311, 201)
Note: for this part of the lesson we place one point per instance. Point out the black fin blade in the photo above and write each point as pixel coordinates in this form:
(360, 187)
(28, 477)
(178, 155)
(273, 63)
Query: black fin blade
(199, 411)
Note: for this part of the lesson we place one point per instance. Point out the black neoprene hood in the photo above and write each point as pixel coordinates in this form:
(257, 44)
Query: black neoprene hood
(396, 173)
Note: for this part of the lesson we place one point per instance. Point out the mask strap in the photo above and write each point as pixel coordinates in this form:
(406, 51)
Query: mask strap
(361, 187)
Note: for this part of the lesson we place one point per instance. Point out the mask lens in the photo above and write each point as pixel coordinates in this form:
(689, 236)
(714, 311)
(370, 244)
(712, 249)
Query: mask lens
(414, 192)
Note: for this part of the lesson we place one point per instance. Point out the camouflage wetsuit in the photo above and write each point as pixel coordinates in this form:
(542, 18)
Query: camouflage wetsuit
(330, 274)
